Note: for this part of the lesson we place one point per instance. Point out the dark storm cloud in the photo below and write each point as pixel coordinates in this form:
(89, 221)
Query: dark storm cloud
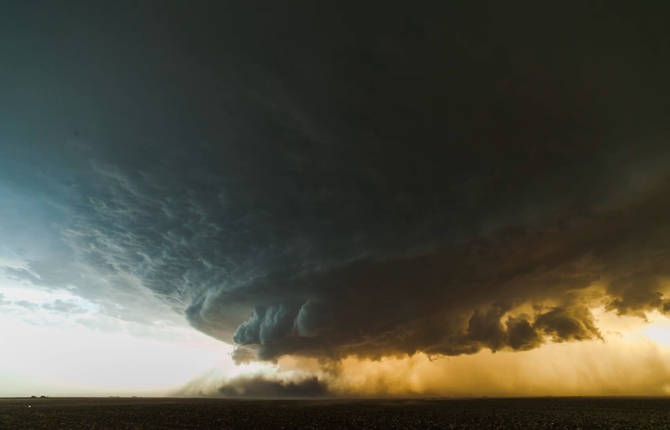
(327, 180)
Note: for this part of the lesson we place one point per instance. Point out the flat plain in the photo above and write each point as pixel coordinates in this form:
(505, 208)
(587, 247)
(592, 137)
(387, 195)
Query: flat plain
(207, 413)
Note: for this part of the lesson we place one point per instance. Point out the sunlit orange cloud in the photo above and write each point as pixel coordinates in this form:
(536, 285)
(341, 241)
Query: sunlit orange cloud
(632, 359)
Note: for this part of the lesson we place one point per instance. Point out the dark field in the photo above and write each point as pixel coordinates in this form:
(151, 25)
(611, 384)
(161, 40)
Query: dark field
(145, 413)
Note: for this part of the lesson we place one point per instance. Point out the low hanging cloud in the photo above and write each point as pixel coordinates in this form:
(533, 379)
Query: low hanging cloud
(623, 362)
(269, 383)
(461, 300)
(259, 387)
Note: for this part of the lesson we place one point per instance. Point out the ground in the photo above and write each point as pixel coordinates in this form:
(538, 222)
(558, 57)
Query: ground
(171, 413)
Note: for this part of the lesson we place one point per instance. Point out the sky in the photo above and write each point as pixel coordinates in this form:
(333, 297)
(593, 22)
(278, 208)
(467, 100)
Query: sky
(331, 199)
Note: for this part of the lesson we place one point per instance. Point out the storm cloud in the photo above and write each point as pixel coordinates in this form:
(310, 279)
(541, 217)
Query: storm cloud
(329, 181)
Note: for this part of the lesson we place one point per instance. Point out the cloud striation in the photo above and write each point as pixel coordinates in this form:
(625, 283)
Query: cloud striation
(332, 181)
